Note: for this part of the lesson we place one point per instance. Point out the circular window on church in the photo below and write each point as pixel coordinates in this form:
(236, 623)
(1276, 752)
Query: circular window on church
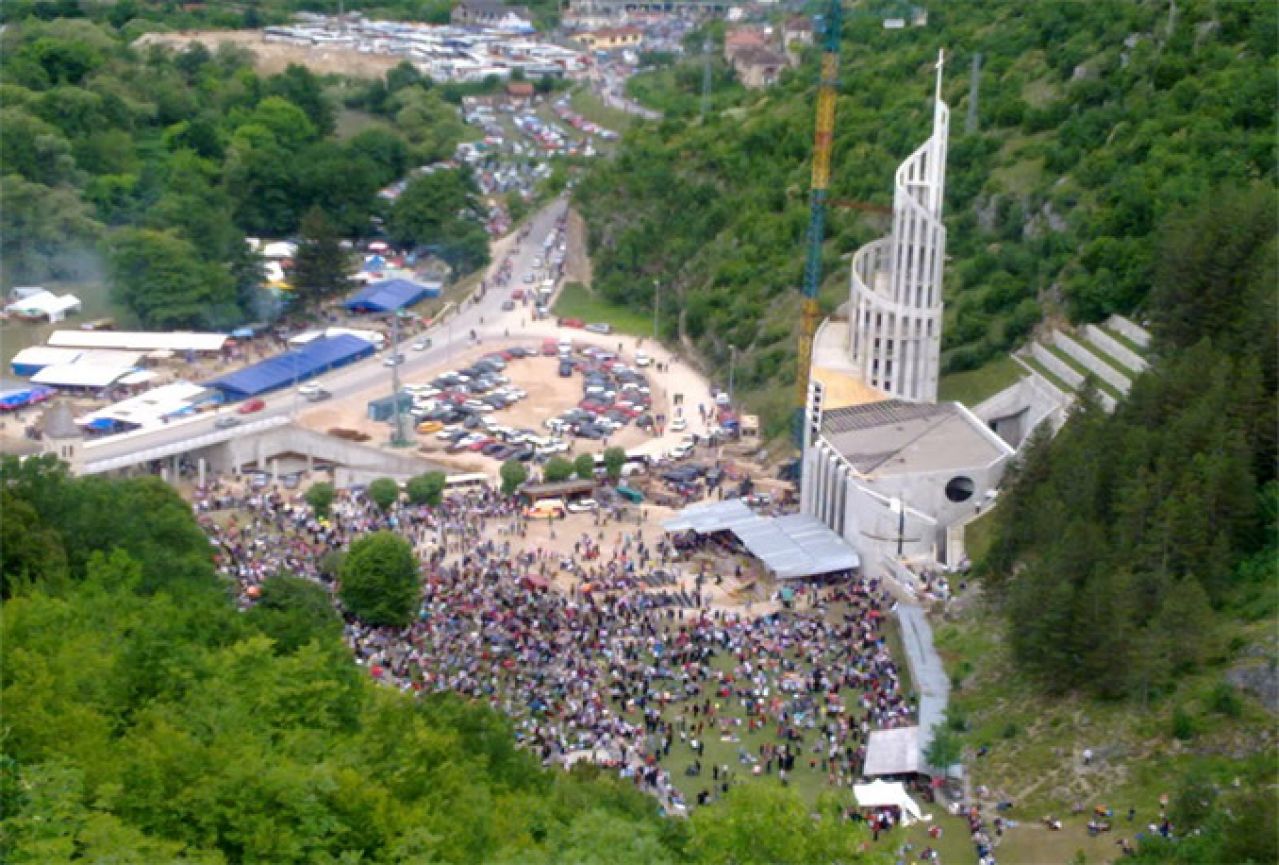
(960, 489)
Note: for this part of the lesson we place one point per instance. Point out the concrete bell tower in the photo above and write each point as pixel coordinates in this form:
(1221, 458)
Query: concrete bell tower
(896, 298)
(61, 436)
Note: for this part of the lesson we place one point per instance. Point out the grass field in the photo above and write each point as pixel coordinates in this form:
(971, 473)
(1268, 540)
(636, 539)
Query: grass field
(577, 301)
(975, 385)
(586, 103)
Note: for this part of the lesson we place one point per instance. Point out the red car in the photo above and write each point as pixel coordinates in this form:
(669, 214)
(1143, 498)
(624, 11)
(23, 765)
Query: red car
(251, 406)
(517, 294)
(572, 322)
(550, 348)
(480, 445)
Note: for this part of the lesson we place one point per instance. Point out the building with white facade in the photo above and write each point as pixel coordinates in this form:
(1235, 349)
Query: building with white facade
(895, 310)
(891, 477)
(885, 466)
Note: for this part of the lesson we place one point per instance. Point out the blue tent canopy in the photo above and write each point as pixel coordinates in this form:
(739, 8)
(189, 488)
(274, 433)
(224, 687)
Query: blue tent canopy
(389, 295)
(317, 356)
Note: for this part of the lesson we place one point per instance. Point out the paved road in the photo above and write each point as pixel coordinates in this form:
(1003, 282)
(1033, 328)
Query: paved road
(362, 376)
(491, 324)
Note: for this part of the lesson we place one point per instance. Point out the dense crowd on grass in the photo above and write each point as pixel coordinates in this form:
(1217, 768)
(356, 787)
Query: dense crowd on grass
(608, 669)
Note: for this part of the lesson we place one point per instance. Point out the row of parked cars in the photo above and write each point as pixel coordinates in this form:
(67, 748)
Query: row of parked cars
(456, 406)
(614, 394)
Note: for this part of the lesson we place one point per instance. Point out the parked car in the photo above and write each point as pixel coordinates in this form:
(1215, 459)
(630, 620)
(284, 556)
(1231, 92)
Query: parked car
(642, 359)
(309, 388)
(319, 396)
(566, 369)
(679, 424)
(582, 506)
(393, 360)
(251, 406)
(422, 344)
(226, 421)
(508, 305)
(430, 426)
(599, 327)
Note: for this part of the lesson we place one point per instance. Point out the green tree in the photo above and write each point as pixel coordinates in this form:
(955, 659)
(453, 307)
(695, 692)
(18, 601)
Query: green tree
(557, 469)
(161, 279)
(321, 269)
(584, 466)
(764, 824)
(440, 211)
(945, 749)
(384, 492)
(320, 497)
(379, 579)
(426, 489)
(513, 474)
(293, 612)
(614, 459)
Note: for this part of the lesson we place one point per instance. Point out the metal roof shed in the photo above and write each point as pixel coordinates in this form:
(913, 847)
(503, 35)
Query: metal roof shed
(791, 547)
(30, 361)
(310, 360)
(390, 295)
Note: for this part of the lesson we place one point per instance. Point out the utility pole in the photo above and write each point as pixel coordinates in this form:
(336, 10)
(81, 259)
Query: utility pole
(657, 302)
(974, 87)
(732, 369)
(398, 438)
(706, 77)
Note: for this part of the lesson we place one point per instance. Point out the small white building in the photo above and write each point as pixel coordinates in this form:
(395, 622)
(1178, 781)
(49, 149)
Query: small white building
(37, 304)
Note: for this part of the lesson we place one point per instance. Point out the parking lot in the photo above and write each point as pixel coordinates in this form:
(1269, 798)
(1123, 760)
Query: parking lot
(525, 399)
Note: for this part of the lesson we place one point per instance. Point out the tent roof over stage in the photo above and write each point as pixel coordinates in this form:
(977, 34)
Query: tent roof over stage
(792, 546)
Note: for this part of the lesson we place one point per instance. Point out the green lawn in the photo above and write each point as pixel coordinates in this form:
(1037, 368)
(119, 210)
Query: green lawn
(577, 301)
(975, 385)
(586, 103)
(978, 536)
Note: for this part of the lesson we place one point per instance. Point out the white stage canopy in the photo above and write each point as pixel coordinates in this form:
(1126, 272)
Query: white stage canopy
(888, 794)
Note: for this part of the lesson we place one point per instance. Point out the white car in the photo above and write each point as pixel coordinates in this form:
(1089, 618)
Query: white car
(309, 388)
(582, 506)
(447, 432)
(642, 359)
(679, 424)
(679, 452)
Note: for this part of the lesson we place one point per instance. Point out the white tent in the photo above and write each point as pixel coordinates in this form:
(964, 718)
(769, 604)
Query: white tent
(888, 794)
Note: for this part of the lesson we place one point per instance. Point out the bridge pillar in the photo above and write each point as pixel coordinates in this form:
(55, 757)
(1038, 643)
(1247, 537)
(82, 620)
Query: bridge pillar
(164, 473)
(201, 465)
(275, 469)
(261, 454)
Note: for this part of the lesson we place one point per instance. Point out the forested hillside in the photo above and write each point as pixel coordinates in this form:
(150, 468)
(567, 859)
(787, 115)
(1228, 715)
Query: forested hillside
(149, 168)
(147, 720)
(1095, 120)
(1134, 554)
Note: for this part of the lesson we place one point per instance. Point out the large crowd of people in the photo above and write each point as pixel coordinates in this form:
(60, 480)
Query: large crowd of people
(597, 649)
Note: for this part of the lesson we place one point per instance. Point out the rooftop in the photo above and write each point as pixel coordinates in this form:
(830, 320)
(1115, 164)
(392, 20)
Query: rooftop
(896, 437)
(792, 546)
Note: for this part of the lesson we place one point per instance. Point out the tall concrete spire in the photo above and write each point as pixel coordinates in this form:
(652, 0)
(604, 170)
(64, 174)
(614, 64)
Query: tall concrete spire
(896, 293)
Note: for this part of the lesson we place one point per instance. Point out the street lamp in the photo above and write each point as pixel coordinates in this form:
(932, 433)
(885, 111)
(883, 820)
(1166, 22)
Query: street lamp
(657, 298)
(732, 368)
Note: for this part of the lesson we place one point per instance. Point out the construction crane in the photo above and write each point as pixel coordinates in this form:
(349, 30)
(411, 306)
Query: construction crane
(820, 186)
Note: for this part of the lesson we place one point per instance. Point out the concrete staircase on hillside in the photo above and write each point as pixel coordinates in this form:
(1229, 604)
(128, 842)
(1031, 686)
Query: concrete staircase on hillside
(1111, 355)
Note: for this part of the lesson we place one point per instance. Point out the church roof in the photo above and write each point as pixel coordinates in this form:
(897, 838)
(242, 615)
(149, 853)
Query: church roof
(896, 437)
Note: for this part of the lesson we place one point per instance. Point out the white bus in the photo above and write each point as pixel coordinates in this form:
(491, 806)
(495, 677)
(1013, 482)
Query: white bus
(463, 482)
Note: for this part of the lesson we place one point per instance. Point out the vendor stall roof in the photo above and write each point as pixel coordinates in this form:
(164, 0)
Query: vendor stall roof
(791, 547)
(390, 295)
(79, 375)
(138, 340)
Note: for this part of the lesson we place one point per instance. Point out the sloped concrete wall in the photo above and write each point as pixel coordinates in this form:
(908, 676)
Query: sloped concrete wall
(1092, 362)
